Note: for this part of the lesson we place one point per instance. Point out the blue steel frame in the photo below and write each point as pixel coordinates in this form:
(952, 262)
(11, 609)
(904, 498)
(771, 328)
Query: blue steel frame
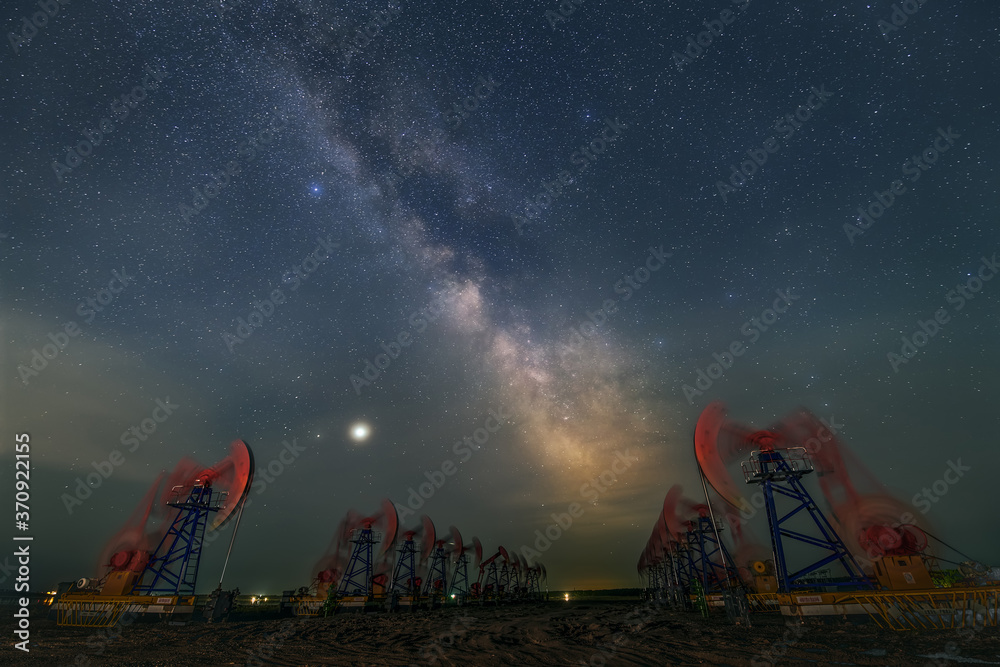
(173, 569)
(359, 575)
(776, 476)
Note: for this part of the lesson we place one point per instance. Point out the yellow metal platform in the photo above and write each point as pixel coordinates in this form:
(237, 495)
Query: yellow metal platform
(928, 609)
(88, 610)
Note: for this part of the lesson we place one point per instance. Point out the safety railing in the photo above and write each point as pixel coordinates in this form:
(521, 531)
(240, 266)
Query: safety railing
(943, 609)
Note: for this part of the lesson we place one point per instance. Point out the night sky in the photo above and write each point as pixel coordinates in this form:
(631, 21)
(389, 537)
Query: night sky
(496, 224)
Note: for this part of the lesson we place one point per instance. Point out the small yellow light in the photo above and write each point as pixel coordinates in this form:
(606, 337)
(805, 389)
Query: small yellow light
(567, 597)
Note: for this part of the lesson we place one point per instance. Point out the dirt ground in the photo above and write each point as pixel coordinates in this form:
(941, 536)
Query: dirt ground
(552, 633)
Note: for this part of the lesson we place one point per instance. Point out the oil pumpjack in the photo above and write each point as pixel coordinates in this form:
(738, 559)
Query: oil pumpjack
(161, 581)
(493, 579)
(534, 576)
(777, 465)
(436, 585)
(352, 572)
(406, 582)
(867, 557)
(461, 588)
(366, 576)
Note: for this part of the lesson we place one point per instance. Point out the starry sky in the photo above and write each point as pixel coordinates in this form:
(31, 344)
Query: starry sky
(544, 220)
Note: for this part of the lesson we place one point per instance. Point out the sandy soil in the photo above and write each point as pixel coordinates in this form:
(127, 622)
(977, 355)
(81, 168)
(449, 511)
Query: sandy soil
(553, 633)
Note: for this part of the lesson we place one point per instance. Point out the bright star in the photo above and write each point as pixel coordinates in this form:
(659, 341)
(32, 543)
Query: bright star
(360, 432)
